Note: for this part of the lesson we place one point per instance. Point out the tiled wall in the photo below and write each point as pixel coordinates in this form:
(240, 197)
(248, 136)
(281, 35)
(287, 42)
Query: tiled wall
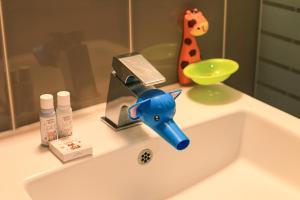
(5, 122)
(68, 45)
(62, 45)
(278, 76)
(241, 41)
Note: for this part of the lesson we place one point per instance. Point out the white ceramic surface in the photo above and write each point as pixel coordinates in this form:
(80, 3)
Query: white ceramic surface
(240, 148)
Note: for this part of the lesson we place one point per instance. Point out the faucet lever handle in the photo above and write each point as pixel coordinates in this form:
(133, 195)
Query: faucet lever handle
(134, 65)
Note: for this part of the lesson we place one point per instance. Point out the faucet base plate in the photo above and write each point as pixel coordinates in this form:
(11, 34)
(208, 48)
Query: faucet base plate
(116, 128)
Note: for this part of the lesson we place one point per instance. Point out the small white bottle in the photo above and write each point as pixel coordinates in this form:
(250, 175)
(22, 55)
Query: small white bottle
(47, 119)
(64, 114)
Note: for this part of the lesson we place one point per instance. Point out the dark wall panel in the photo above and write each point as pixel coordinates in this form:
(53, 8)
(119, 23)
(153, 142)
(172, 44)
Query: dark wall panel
(241, 42)
(62, 45)
(5, 123)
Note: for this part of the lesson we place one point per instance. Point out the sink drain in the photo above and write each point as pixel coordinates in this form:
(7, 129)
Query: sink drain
(145, 156)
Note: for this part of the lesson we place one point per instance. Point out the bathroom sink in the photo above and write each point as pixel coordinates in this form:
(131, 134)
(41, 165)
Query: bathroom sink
(239, 155)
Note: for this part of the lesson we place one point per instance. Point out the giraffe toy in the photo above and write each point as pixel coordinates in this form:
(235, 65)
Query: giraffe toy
(194, 25)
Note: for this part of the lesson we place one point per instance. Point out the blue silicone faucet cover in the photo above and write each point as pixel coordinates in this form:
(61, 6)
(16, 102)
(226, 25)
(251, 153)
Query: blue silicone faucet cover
(156, 109)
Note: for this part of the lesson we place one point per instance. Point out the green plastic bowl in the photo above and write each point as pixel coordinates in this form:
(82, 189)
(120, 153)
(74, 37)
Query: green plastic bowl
(211, 71)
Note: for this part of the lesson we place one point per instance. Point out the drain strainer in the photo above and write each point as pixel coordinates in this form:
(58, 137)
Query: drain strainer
(145, 156)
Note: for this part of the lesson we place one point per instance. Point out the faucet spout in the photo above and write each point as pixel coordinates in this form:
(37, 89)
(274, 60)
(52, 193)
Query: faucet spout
(156, 109)
(172, 134)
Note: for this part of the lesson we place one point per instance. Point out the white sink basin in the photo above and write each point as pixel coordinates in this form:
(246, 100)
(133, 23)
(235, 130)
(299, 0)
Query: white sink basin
(239, 155)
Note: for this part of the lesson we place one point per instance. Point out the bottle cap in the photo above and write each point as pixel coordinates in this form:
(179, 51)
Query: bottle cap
(46, 101)
(63, 98)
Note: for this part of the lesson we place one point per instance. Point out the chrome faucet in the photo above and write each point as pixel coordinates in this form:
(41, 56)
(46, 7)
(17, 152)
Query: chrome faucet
(132, 75)
(132, 98)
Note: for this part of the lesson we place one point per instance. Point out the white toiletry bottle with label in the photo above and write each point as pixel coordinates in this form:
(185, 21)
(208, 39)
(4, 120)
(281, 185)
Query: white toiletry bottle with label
(64, 114)
(47, 119)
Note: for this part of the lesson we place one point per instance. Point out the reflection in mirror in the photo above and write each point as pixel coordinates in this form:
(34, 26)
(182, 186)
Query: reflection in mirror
(164, 57)
(22, 88)
(278, 69)
(68, 53)
(66, 45)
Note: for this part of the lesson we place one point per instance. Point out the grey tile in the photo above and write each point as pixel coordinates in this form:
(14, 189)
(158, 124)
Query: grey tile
(63, 45)
(5, 122)
(157, 28)
(241, 42)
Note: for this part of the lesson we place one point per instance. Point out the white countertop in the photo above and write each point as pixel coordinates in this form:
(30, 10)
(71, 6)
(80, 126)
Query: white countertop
(22, 156)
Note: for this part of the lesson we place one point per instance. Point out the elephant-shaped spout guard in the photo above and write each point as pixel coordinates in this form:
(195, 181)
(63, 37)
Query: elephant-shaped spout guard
(156, 109)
